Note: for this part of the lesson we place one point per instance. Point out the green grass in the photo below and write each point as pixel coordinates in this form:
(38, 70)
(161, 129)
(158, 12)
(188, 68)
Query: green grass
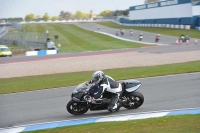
(21, 84)
(170, 124)
(164, 31)
(75, 39)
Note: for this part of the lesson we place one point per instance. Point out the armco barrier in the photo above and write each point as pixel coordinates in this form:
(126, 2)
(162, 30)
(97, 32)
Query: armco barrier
(197, 28)
(187, 27)
(41, 52)
(159, 25)
(182, 27)
(123, 117)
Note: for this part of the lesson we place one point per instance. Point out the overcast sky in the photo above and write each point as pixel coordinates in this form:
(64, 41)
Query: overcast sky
(20, 8)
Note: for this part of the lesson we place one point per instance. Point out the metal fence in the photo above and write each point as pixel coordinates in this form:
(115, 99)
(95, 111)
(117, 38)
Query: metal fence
(23, 43)
(25, 36)
(24, 39)
(16, 25)
(3, 31)
(18, 37)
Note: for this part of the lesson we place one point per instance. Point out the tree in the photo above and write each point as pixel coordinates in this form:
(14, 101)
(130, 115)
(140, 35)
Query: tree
(64, 15)
(30, 16)
(125, 12)
(106, 13)
(54, 18)
(46, 16)
(38, 17)
(79, 14)
(68, 15)
(121, 12)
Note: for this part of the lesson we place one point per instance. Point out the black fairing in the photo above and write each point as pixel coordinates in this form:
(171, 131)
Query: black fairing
(78, 95)
(99, 107)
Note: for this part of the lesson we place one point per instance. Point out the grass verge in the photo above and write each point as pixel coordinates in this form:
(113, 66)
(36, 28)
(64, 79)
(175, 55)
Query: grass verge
(75, 39)
(21, 84)
(170, 124)
(164, 31)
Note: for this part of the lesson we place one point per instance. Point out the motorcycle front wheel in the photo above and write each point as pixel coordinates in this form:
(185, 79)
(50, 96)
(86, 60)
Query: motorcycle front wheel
(134, 100)
(76, 108)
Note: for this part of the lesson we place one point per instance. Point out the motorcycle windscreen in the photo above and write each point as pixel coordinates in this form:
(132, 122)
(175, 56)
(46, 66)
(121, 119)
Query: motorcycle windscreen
(81, 88)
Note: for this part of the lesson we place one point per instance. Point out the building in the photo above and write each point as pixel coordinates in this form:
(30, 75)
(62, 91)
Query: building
(177, 12)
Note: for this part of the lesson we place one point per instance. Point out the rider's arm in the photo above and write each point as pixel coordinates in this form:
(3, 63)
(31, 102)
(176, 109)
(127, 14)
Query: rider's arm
(100, 92)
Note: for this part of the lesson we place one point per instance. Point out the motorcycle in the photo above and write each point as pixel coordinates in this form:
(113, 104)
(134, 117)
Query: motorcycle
(157, 39)
(130, 98)
(140, 37)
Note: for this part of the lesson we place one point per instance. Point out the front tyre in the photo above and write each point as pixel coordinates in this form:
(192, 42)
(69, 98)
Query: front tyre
(76, 108)
(134, 100)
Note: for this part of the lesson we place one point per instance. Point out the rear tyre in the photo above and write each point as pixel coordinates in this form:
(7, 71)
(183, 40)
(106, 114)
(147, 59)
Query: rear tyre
(134, 100)
(76, 108)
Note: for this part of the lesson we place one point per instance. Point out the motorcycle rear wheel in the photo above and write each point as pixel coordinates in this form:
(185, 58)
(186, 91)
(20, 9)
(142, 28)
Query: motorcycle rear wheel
(134, 100)
(76, 108)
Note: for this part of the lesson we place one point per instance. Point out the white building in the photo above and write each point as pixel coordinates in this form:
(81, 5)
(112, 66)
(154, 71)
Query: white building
(177, 12)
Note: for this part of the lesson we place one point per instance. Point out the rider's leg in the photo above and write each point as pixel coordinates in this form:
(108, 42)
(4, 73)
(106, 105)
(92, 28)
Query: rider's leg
(114, 105)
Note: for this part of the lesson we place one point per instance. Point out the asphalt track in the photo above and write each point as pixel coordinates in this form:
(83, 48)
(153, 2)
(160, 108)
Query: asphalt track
(161, 93)
(147, 36)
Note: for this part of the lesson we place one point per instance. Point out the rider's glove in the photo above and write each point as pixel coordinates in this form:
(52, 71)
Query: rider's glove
(90, 82)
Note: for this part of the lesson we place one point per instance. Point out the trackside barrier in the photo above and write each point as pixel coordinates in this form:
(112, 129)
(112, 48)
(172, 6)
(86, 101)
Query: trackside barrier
(181, 26)
(167, 26)
(159, 25)
(177, 26)
(197, 28)
(42, 52)
(187, 27)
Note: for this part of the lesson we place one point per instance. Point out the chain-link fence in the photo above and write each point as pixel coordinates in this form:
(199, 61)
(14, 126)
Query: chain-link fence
(29, 36)
(16, 25)
(18, 37)
(3, 31)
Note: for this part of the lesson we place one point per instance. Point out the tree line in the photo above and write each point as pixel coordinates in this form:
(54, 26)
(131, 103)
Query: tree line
(68, 15)
(78, 14)
(18, 19)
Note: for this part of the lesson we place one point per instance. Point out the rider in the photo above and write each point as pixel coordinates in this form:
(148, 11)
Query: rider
(131, 32)
(107, 83)
(182, 38)
(157, 37)
(141, 36)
